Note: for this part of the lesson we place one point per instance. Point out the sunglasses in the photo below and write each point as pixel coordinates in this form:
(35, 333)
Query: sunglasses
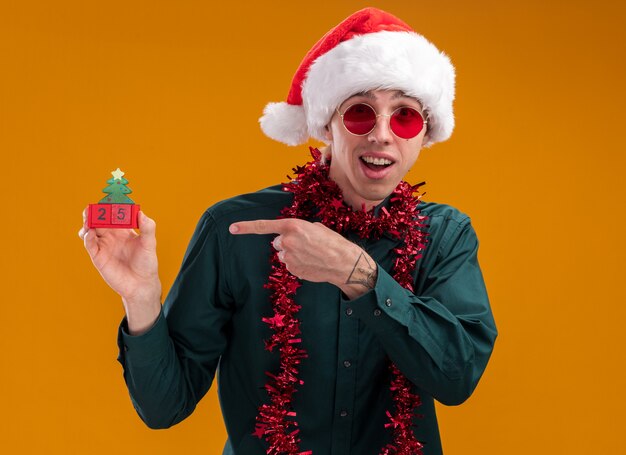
(360, 119)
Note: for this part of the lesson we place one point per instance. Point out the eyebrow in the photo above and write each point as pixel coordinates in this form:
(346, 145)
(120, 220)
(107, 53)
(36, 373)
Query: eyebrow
(397, 95)
(371, 96)
(400, 94)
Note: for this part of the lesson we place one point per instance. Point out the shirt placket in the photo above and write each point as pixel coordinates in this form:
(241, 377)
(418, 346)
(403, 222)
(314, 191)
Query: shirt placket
(345, 387)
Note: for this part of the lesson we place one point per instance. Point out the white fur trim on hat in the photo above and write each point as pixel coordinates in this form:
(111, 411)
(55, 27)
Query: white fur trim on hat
(402, 61)
(285, 123)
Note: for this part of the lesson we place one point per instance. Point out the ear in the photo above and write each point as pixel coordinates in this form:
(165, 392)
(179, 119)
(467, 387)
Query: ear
(326, 153)
(328, 133)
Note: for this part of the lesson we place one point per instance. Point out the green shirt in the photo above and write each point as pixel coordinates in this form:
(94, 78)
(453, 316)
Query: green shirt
(441, 337)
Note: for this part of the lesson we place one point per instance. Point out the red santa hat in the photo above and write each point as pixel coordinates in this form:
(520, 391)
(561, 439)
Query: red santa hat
(371, 49)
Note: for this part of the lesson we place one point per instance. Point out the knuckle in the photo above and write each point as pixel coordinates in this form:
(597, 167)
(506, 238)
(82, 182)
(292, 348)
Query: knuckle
(291, 268)
(285, 224)
(298, 223)
(286, 242)
(297, 226)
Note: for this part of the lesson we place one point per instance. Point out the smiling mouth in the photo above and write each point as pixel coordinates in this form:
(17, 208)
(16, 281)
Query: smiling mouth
(376, 163)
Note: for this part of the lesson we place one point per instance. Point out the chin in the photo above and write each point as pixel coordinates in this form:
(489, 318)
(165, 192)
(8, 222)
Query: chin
(376, 196)
(379, 189)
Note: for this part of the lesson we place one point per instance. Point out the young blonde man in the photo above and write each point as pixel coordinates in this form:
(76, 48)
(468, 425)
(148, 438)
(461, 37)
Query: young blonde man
(337, 307)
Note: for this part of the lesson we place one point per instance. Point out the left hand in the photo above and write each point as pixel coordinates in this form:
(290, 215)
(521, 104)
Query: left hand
(311, 251)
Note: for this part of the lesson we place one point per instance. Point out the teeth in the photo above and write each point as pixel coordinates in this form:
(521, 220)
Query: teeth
(376, 161)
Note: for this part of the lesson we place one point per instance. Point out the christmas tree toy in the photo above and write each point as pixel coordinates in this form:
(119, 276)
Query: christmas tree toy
(115, 210)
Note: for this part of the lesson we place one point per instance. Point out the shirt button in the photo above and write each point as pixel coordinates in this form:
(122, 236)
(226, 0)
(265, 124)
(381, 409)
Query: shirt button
(349, 311)
(377, 312)
(343, 413)
(347, 364)
(388, 302)
(125, 348)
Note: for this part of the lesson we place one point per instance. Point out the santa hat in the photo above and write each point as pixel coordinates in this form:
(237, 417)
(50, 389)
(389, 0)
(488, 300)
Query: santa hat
(369, 50)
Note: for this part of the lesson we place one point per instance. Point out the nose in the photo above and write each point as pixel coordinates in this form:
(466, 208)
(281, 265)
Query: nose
(381, 134)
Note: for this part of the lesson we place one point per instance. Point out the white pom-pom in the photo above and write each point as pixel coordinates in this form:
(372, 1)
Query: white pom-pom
(285, 123)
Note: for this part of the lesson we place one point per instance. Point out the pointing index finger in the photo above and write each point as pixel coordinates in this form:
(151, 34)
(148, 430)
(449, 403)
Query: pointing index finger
(259, 227)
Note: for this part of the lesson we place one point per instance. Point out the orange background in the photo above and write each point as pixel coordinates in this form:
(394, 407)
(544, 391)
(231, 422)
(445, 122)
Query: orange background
(171, 92)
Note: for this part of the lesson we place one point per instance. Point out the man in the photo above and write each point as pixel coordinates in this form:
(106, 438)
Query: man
(338, 306)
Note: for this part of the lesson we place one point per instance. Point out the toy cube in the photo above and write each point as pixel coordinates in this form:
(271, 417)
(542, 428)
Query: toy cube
(120, 216)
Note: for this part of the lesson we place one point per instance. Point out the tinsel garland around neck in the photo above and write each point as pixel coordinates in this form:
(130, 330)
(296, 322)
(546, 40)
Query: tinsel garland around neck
(318, 197)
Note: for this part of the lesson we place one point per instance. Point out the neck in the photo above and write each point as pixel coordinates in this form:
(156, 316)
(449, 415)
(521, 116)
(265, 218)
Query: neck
(358, 203)
(350, 197)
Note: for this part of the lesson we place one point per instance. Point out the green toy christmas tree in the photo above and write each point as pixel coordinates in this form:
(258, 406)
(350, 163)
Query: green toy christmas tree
(117, 190)
(115, 210)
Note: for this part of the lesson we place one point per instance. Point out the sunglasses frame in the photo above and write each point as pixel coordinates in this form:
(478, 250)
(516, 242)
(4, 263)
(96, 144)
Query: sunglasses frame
(424, 120)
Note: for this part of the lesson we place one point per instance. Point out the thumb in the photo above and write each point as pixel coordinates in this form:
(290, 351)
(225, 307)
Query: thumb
(147, 226)
(91, 243)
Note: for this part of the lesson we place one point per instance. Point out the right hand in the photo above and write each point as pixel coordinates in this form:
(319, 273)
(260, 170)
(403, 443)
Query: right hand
(128, 263)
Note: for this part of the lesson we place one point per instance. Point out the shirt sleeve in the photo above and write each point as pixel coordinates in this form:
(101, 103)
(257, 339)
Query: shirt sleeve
(442, 337)
(170, 368)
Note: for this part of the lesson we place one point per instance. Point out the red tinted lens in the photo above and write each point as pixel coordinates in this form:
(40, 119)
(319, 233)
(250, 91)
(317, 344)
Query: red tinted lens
(359, 119)
(406, 122)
